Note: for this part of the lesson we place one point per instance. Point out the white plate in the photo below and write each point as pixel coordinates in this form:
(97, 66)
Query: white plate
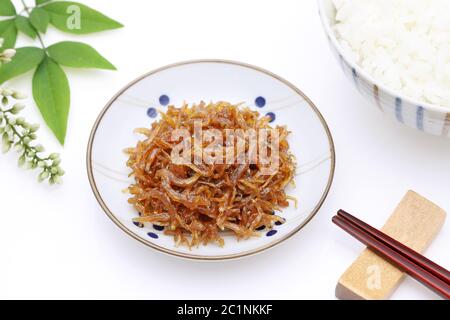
(210, 80)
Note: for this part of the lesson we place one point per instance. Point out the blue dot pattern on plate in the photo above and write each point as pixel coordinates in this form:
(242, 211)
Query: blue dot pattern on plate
(164, 100)
(159, 228)
(279, 223)
(271, 233)
(271, 115)
(151, 112)
(260, 102)
(260, 228)
(138, 224)
(152, 235)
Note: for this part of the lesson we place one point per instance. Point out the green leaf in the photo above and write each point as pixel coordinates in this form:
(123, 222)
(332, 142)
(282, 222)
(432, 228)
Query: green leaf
(77, 18)
(7, 8)
(24, 26)
(39, 2)
(78, 55)
(26, 59)
(52, 95)
(40, 19)
(8, 32)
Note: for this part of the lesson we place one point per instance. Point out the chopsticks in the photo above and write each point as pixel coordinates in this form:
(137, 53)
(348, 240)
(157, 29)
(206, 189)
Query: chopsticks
(417, 266)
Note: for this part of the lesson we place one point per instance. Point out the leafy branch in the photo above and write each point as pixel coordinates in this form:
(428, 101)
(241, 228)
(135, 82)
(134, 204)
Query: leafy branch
(18, 134)
(51, 90)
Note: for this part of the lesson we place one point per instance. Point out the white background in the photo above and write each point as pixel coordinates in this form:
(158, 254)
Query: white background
(55, 242)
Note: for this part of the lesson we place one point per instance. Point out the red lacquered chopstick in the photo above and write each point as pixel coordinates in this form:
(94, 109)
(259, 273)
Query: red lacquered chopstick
(412, 255)
(430, 280)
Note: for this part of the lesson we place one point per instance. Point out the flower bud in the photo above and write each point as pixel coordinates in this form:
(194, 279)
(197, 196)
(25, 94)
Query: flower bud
(20, 121)
(9, 53)
(21, 161)
(34, 127)
(17, 108)
(19, 95)
(44, 175)
(31, 154)
(5, 137)
(7, 92)
(28, 165)
(6, 147)
(54, 156)
(39, 148)
(18, 147)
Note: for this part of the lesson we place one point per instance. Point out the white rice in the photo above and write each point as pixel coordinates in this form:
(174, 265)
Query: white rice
(405, 44)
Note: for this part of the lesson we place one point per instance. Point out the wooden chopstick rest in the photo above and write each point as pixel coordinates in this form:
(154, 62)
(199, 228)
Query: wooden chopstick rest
(415, 223)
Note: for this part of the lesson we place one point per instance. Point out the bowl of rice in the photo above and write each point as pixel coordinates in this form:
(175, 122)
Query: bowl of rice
(397, 54)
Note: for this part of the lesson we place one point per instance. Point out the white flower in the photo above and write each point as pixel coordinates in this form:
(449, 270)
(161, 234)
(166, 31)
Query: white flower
(9, 53)
(19, 95)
